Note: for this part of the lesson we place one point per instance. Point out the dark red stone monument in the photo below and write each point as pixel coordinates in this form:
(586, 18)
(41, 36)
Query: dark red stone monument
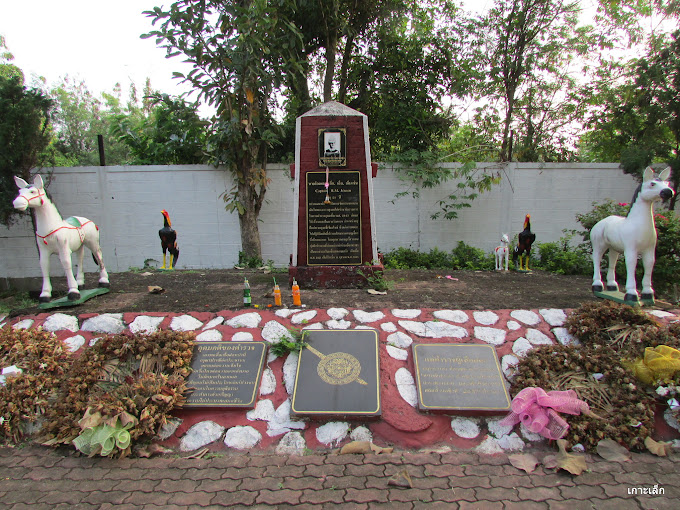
(334, 221)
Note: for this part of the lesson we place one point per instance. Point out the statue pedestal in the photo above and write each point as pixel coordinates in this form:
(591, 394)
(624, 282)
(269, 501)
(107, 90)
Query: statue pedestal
(334, 218)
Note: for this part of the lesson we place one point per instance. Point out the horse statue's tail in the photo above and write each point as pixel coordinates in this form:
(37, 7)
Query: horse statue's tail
(515, 255)
(94, 258)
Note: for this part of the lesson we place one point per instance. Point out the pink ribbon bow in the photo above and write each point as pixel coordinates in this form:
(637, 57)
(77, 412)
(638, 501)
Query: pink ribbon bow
(537, 410)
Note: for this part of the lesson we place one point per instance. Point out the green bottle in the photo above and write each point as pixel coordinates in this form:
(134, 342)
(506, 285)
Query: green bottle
(246, 293)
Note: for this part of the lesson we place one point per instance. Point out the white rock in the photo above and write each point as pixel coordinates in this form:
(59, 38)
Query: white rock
(316, 325)
(537, 338)
(661, 314)
(417, 328)
(406, 314)
(670, 419)
(491, 336)
(511, 442)
(399, 339)
(145, 324)
(23, 324)
(367, 317)
(299, 318)
(529, 435)
(268, 384)
(242, 437)
(75, 342)
(293, 443)
(338, 324)
(489, 447)
(332, 433)
(289, 372)
(486, 318)
(452, 315)
(496, 429)
(526, 316)
(94, 340)
(242, 336)
(508, 363)
(465, 427)
(444, 330)
(212, 335)
(273, 332)
(564, 337)
(60, 321)
(578, 448)
(286, 312)
(521, 347)
(337, 313)
(388, 327)
(396, 353)
(169, 428)
(108, 323)
(553, 316)
(406, 386)
(9, 371)
(281, 422)
(213, 323)
(185, 323)
(362, 326)
(513, 325)
(361, 433)
(201, 434)
(245, 320)
(264, 411)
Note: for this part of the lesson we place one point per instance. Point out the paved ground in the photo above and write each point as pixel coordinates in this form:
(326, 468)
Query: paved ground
(37, 478)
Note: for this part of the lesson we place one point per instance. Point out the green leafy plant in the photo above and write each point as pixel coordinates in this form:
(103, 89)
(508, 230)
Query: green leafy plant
(284, 346)
(376, 280)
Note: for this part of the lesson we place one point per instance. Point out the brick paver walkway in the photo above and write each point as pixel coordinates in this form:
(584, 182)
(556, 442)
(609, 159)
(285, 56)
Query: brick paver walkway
(38, 478)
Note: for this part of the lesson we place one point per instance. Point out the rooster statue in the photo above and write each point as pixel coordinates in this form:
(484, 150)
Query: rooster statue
(525, 240)
(168, 241)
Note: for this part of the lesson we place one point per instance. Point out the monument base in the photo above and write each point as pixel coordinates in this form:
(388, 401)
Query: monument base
(332, 277)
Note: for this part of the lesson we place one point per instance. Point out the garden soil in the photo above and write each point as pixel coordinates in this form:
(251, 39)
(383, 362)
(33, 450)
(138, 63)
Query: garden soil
(213, 290)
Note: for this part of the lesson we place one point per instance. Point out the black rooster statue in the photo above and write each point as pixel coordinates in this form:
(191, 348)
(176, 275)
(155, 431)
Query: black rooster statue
(168, 241)
(525, 240)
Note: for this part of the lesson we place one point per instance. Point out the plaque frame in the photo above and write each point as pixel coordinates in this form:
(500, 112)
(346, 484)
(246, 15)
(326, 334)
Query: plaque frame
(328, 138)
(251, 395)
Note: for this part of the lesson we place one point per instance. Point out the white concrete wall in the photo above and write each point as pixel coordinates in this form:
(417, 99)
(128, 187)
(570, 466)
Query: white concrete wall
(126, 202)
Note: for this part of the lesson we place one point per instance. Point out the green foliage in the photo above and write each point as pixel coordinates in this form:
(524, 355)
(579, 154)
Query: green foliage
(25, 116)
(462, 256)
(284, 346)
(253, 262)
(376, 280)
(172, 134)
(561, 257)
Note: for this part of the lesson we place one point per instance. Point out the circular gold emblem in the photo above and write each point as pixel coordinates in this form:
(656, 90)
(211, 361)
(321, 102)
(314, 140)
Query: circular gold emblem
(339, 368)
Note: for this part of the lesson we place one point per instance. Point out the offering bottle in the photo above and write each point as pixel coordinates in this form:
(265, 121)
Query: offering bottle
(277, 295)
(296, 294)
(246, 293)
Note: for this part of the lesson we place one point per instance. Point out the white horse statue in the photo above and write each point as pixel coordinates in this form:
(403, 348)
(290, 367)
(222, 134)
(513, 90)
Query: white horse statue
(634, 235)
(63, 237)
(502, 253)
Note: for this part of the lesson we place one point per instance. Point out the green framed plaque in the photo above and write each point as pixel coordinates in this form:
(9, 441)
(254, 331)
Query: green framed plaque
(226, 374)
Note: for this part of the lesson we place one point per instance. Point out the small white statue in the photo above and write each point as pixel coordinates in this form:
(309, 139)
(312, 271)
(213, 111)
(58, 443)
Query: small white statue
(63, 237)
(634, 236)
(502, 253)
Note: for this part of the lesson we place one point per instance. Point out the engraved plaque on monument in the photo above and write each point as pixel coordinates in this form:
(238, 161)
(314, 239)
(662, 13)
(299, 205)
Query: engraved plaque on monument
(226, 374)
(333, 218)
(338, 374)
(460, 378)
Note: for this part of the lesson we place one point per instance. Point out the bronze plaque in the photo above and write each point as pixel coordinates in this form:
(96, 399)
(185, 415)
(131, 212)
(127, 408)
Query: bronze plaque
(338, 374)
(226, 374)
(460, 377)
(334, 218)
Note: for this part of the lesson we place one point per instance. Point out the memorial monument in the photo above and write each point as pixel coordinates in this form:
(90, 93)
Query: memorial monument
(334, 217)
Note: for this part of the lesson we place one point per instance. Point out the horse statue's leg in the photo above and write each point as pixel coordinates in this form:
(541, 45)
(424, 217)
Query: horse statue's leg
(506, 257)
(598, 251)
(631, 285)
(46, 293)
(80, 276)
(648, 263)
(611, 270)
(65, 258)
(92, 242)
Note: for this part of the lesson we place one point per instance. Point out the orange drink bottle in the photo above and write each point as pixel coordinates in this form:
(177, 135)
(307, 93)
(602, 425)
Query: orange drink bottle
(277, 295)
(296, 294)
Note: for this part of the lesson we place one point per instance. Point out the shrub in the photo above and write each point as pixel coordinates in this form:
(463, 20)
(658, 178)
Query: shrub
(462, 256)
(562, 258)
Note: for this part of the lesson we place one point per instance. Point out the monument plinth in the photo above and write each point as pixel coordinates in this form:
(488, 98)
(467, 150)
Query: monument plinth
(334, 221)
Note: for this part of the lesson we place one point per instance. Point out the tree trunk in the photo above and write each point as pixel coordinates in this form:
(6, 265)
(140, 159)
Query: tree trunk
(250, 232)
(347, 55)
(331, 45)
